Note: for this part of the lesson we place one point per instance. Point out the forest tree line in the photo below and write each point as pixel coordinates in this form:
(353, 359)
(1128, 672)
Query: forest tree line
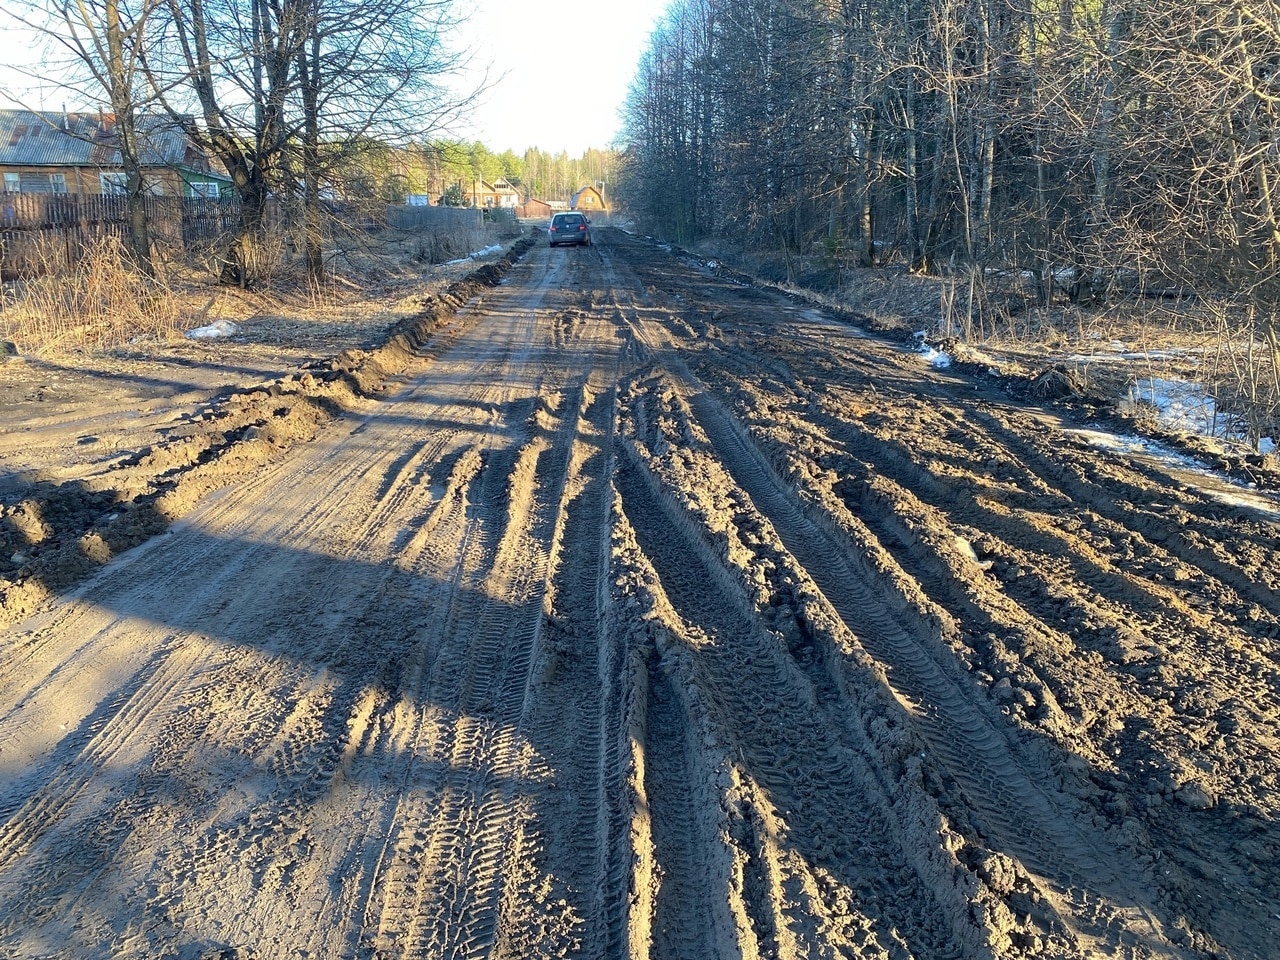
(389, 173)
(1103, 144)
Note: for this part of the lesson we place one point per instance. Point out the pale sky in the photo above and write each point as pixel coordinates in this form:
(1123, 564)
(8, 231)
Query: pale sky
(558, 70)
(561, 67)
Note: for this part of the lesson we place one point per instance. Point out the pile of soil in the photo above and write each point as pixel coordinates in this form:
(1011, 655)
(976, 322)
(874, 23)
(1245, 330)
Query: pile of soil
(130, 439)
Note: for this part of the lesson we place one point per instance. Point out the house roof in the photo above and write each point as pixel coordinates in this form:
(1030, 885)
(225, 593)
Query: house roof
(48, 139)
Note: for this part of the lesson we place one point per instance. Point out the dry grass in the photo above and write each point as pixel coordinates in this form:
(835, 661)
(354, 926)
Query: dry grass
(101, 301)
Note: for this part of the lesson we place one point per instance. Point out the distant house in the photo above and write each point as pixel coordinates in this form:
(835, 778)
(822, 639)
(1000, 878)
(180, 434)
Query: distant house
(482, 193)
(62, 153)
(534, 209)
(508, 196)
(588, 200)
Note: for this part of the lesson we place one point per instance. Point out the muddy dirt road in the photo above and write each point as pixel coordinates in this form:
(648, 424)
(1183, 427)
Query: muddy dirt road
(650, 615)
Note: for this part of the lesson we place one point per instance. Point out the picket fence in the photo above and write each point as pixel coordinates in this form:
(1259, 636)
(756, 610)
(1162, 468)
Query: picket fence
(40, 232)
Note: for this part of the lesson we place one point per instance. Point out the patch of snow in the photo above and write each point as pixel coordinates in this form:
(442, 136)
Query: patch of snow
(1211, 482)
(487, 251)
(933, 356)
(1183, 405)
(219, 328)
(937, 359)
(1266, 445)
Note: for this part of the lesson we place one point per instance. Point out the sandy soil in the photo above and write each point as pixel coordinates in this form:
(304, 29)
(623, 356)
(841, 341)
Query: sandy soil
(612, 607)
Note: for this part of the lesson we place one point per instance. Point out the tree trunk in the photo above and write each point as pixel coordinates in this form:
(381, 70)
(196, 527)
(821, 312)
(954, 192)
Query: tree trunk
(122, 104)
(312, 245)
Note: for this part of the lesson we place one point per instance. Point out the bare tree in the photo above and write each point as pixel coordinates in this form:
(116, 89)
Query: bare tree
(369, 76)
(105, 38)
(288, 91)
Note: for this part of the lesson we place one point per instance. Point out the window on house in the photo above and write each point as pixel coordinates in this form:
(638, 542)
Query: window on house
(59, 182)
(113, 184)
(208, 190)
(35, 182)
(12, 183)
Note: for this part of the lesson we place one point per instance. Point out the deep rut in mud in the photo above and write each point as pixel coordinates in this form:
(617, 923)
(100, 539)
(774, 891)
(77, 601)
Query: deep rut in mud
(648, 614)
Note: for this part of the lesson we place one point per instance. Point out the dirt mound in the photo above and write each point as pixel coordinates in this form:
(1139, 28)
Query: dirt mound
(52, 534)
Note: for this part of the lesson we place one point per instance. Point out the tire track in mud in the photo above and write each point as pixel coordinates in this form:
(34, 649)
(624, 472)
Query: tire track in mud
(389, 721)
(729, 699)
(1130, 495)
(488, 680)
(331, 721)
(1020, 522)
(580, 684)
(29, 817)
(522, 665)
(1078, 592)
(1140, 628)
(918, 543)
(428, 733)
(415, 866)
(1055, 842)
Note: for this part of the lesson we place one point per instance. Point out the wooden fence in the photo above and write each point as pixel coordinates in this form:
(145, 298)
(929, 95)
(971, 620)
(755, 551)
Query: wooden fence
(50, 231)
(435, 218)
(45, 232)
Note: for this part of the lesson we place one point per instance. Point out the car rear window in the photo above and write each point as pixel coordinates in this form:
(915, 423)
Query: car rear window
(571, 221)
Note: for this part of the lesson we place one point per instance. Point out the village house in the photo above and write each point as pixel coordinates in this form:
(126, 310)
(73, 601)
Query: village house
(78, 153)
(508, 196)
(534, 209)
(500, 193)
(588, 200)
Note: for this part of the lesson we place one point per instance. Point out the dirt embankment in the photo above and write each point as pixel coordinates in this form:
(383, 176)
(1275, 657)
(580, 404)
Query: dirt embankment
(58, 525)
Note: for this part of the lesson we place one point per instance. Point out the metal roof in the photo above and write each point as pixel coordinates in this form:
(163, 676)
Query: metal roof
(50, 139)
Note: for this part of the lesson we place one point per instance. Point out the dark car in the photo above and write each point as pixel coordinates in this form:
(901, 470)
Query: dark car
(570, 228)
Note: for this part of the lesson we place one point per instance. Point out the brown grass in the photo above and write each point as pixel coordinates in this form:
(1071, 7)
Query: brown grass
(101, 301)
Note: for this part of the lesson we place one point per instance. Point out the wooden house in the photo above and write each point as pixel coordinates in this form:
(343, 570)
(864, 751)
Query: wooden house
(534, 209)
(78, 153)
(588, 200)
(508, 196)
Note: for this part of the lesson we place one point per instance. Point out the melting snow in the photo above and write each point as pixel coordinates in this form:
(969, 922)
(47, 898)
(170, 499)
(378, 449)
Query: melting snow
(1184, 405)
(487, 251)
(936, 358)
(219, 328)
(1210, 482)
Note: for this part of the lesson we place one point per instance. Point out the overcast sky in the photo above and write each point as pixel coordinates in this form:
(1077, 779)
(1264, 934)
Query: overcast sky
(558, 70)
